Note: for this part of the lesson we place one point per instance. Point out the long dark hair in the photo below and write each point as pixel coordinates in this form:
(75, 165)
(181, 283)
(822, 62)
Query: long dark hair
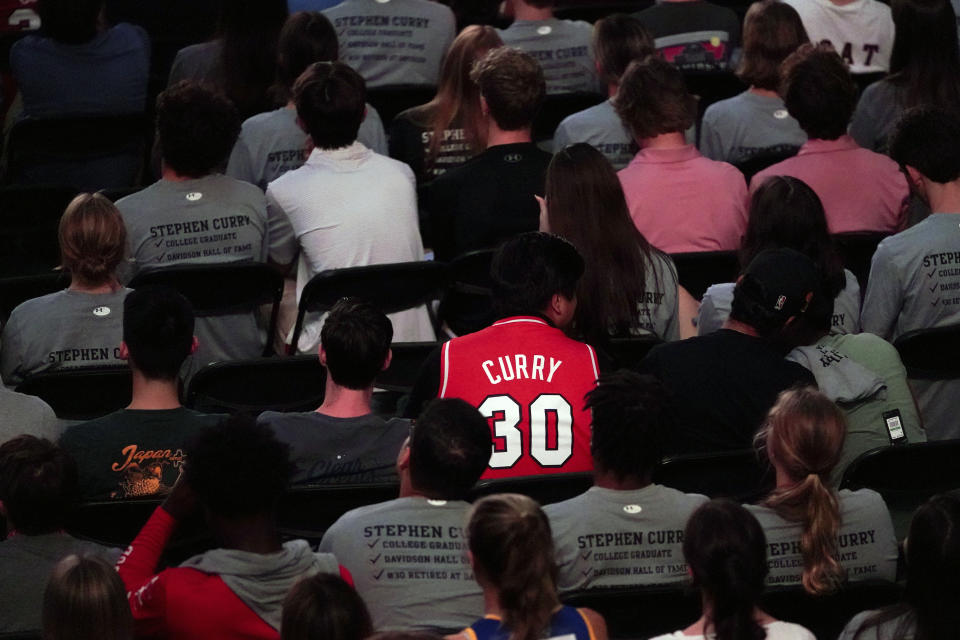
(249, 30)
(726, 551)
(586, 206)
(785, 213)
(512, 548)
(929, 608)
(925, 61)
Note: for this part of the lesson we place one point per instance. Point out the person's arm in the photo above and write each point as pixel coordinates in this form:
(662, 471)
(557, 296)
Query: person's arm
(427, 386)
(240, 166)
(687, 309)
(146, 590)
(281, 239)
(711, 145)
(596, 623)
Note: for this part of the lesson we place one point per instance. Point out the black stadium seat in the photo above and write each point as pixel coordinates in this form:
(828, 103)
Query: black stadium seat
(640, 612)
(390, 100)
(82, 393)
(699, 269)
(739, 475)
(262, 384)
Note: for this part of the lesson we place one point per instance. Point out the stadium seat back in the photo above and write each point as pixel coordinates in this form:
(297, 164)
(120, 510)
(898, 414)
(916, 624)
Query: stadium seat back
(739, 475)
(82, 393)
(699, 269)
(640, 612)
(467, 302)
(545, 489)
(29, 219)
(308, 511)
(856, 249)
(931, 354)
(263, 384)
(761, 161)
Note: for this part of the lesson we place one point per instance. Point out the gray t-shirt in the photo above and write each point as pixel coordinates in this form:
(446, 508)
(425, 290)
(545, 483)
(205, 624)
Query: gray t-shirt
(903, 627)
(866, 545)
(658, 312)
(718, 298)
(393, 41)
(915, 284)
(62, 330)
(408, 559)
(198, 63)
(600, 127)
(272, 143)
(214, 219)
(23, 414)
(563, 48)
(880, 106)
(25, 564)
(747, 125)
(331, 450)
(608, 538)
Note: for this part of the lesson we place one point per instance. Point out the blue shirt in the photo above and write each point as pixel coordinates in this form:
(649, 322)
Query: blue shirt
(566, 622)
(311, 5)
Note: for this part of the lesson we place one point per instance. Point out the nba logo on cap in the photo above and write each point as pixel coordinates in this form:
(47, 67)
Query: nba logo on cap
(782, 300)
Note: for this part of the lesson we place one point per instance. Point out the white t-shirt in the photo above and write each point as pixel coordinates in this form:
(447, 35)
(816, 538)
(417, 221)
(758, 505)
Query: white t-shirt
(861, 32)
(347, 207)
(776, 630)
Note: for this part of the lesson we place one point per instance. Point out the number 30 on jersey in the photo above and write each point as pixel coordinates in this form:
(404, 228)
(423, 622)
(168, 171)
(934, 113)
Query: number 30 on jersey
(548, 411)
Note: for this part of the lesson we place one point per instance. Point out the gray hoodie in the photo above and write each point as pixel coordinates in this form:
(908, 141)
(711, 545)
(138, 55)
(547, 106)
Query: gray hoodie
(262, 580)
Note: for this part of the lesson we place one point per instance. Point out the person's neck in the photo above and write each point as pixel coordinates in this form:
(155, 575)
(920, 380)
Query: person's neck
(341, 402)
(153, 394)
(672, 140)
(740, 327)
(256, 534)
(767, 93)
(944, 198)
(523, 11)
(612, 89)
(81, 286)
(497, 136)
(698, 628)
(168, 174)
(606, 480)
(783, 481)
(491, 602)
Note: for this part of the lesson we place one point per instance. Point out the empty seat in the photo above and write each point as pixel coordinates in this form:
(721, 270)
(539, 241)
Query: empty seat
(308, 511)
(83, 393)
(264, 384)
(640, 612)
(698, 270)
(739, 475)
(29, 219)
(467, 302)
(856, 249)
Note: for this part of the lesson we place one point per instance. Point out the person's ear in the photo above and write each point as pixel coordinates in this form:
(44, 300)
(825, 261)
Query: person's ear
(387, 360)
(544, 214)
(403, 458)
(484, 107)
(322, 354)
(124, 351)
(194, 345)
(918, 183)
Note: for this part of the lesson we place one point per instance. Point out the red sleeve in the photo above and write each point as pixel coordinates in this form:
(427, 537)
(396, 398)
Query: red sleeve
(146, 590)
(345, 574)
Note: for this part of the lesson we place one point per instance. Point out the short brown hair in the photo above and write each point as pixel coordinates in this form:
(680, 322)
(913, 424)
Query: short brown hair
(772, 30)
(818, 90)
(85, 600)
(93, 238)
(331, 101)
(512, 83)
(653, 99)
(618, 40)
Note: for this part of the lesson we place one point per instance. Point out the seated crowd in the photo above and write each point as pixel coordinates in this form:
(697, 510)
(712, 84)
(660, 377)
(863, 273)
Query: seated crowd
(269, 151)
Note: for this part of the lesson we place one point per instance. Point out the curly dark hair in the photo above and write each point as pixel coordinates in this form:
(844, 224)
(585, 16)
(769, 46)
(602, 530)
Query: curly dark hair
(196, 128)
(238, 467)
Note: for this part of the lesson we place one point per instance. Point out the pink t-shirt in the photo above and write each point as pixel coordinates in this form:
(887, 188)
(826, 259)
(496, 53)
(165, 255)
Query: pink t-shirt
(860, 190)
(681, 201)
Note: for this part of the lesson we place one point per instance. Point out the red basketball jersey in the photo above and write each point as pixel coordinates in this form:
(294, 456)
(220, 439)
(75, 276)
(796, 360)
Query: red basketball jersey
(529, 380)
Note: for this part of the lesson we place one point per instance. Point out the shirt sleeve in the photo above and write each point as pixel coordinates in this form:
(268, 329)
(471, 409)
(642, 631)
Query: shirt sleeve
(427, 386)
(11, 354)
(146, 590)
(561, 138)
(372, 133)
(282, 240)
(240, 166)
(884, 298)
(711, 146)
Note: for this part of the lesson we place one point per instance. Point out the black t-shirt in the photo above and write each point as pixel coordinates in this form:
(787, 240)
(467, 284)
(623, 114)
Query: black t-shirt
(721, 386)
(487, 200)
(411, 135)
(693, 35)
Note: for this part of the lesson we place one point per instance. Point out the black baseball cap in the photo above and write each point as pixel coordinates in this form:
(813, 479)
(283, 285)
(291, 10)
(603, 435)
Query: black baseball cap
(780, 281)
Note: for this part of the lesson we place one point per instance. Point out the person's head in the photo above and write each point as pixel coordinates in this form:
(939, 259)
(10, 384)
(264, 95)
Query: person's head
(629, 420)
(458, 97)
(618, 40)
(802, 438)
(331, 102)
(774, 290)
(586, 206)
(38, 485)
(512, 87)
(93, 239)
(536, 273)
(772, 30)
(85, 600)
(196, 129)
(306, 37)
(786, 213)
(932, 551)
(653, 99)
(355, 343)
(157, 331)
(726, 552)
(925, 57)
(448, 450)
(70, 21)
(926, 142)
(511, 550)
(324, 607)
(818, 90)
(238, 469)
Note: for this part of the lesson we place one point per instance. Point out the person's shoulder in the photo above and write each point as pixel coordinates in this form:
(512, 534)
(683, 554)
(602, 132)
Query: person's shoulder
(261, 122)
(780, 630)
(29, 310)
(579, 27)
(197, 51)
(359, 515)
(93, 431)
(860, 498)
(127, 32)
(726, 108)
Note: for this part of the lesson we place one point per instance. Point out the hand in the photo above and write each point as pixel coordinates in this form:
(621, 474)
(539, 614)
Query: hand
(182, 500)
(544, 215)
